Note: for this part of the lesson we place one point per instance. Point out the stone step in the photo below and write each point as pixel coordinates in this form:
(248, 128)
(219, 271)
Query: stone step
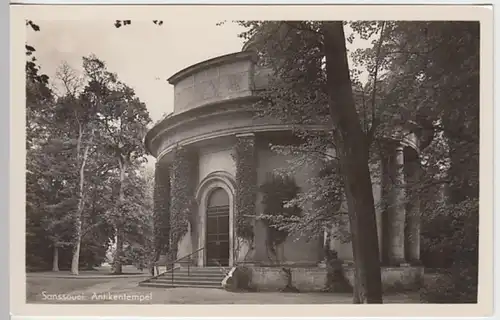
(214, 269)
(177, 285)
(197, 277)
(196, 272)
(193, 276)
(189, 281)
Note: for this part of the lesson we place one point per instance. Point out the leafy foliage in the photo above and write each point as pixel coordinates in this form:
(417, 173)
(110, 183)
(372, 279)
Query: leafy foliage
(183, 203)
(72, 181)
(310, 84)
(161, 209)
(422, 75)
(246, 167)
(434, 74)
(277, 192)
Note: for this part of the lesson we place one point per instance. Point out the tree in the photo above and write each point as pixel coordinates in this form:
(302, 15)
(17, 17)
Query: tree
(49, 196)
(429, 76)
(140, 248)
(313, 85)
(74, 202)
(123, 121)
(353, 146)
(80, 115)
(434, 74)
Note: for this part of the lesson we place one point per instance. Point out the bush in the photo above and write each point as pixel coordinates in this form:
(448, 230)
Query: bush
(458, 285)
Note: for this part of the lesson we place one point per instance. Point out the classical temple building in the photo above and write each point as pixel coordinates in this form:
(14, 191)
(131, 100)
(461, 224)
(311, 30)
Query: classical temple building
(212, 156)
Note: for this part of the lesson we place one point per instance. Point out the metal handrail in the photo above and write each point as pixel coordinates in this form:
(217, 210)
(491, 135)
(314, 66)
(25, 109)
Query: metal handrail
(172, 266)
(180, 259)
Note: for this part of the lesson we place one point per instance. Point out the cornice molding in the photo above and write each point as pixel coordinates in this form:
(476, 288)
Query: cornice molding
(209, 110)
(247, 130)
(195, 68)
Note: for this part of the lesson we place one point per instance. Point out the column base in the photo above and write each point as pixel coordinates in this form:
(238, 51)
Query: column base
(397, 263)
(415, 263)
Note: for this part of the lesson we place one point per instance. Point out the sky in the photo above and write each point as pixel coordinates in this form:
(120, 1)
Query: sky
(142, 54)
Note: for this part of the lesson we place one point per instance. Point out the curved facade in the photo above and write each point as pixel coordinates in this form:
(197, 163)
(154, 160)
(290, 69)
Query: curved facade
(196, 148)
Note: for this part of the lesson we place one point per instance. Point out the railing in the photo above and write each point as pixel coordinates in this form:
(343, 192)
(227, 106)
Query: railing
(224, 270)
(172, 269)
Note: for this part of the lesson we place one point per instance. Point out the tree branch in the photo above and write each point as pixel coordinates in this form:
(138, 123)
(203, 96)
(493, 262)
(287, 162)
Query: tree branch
(371, 132)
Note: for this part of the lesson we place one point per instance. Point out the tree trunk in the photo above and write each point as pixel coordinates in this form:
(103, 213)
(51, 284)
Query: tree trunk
(81, 204)
(357, 296)
(117, 264)
(354, 155)
(55, 260)
(76, 254)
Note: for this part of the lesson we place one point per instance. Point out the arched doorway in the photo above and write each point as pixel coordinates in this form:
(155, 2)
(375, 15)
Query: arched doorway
(217, 231)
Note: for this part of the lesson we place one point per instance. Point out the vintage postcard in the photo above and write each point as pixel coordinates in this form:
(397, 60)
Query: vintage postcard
(222, 160)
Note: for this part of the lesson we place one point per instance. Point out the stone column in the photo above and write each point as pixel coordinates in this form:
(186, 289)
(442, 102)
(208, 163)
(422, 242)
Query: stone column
(182, 208)
(161, 209)
(412, 239)
(377, 188)
(385, 201)
(397, 209)
(245, 156)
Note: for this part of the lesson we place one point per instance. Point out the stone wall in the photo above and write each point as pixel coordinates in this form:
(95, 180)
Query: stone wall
(296, 249)
(274, 279)
(215, 158)
(395, 278)
(220, 82)
(314, 279)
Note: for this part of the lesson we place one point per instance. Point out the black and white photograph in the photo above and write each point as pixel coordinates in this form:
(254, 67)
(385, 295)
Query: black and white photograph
(207, 161)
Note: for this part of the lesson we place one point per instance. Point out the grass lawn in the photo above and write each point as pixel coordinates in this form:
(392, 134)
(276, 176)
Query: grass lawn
(98, 271)
(92, 288)
(35, 286)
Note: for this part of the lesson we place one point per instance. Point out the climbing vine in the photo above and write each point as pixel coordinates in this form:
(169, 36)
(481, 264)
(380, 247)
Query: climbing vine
(277, 192)
(182, 195)
(246, 186)
(161, 209)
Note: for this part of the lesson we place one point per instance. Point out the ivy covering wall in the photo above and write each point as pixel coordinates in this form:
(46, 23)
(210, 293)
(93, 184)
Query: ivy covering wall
(277, 191)
(183, 175)
(246, 185)
(161, 209)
